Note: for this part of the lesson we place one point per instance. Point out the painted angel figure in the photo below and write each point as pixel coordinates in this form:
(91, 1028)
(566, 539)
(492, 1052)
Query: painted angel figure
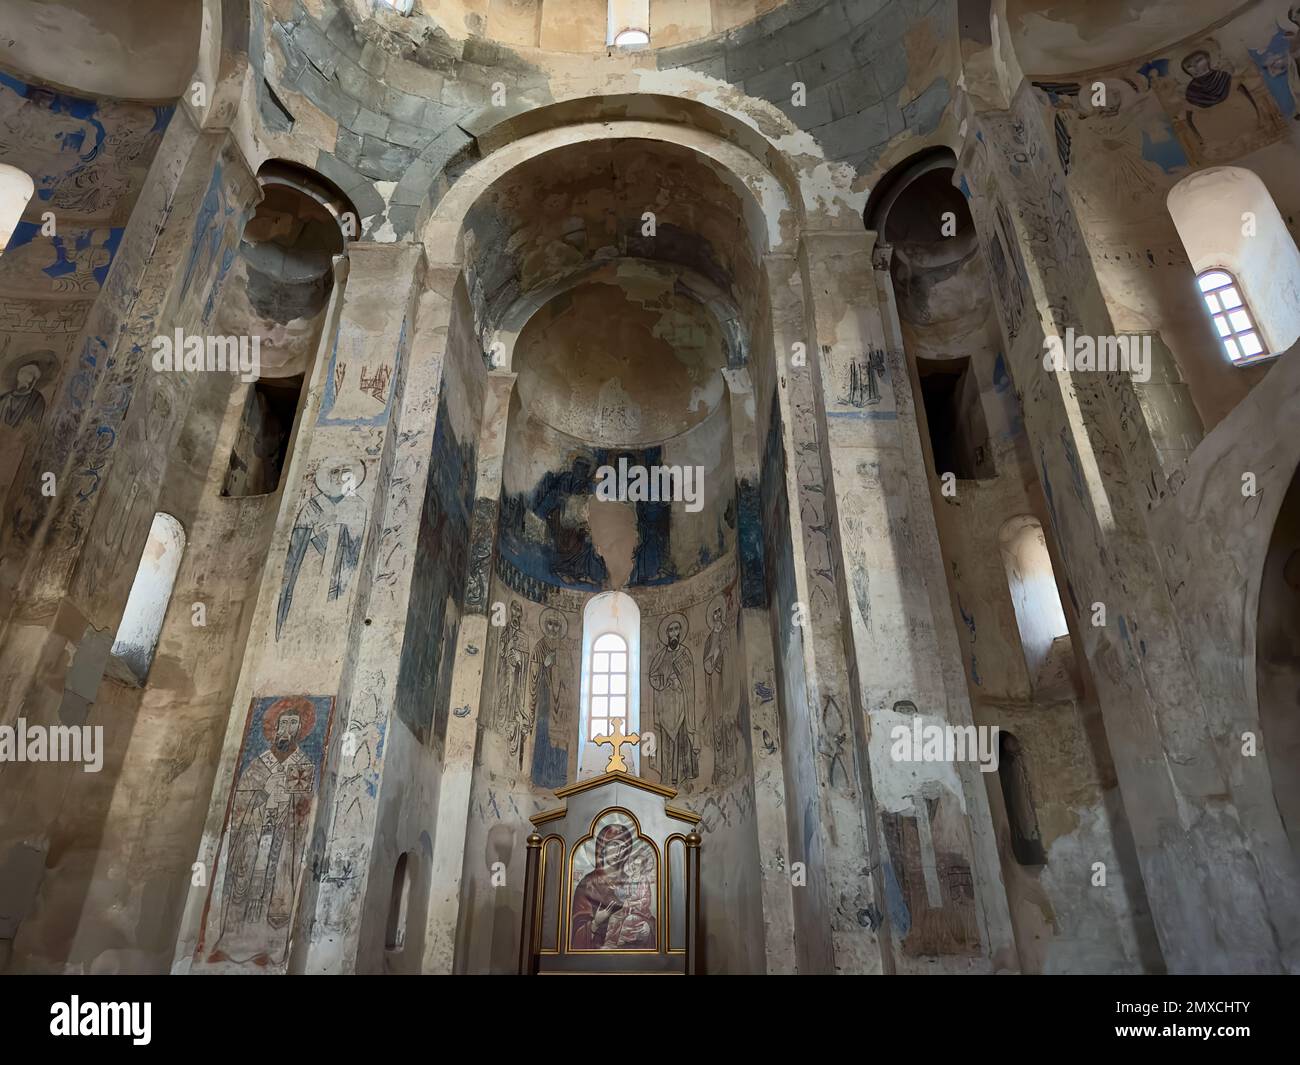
(325, 545)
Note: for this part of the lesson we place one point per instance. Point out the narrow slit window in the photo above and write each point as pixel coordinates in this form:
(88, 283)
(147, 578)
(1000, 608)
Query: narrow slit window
(1026, 840)
(1232, 318)
(142, 622)
(399, 903)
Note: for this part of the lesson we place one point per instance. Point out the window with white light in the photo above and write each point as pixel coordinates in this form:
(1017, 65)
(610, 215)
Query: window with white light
(142, 621)
(610, 689)
(608, 684)
(1246, 263)
(1232, 319)
(629, 23)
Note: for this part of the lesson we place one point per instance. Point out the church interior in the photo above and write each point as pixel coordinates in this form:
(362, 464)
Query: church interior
(684, 486)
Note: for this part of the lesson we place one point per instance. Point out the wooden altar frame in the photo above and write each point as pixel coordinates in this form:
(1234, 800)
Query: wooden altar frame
(573, 824)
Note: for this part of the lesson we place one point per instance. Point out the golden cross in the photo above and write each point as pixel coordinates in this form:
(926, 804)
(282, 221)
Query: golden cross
(616, 739)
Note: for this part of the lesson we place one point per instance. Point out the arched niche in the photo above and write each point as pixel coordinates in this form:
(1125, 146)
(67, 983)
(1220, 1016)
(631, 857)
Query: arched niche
(1277, 661)
(942, 295)
(278, 296)
(1227, 221)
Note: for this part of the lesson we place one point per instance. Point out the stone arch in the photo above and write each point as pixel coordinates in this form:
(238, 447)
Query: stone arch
(769, 220)
(747, 175)
(223, 59)
(756, 149)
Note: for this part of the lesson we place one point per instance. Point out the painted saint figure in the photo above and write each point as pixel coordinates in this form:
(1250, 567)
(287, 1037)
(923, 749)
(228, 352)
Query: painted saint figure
(1290, 63)
(514, 713)
(560, 499)
(23, 404)
(614, 904)
(548, 710)
(715, 663)
(325, 544)
(1220, 107)
(672, 676)
(865, 377)
(268, 828)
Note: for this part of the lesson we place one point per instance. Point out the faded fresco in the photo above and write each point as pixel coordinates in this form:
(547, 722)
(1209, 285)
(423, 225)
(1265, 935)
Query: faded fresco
(441, 571)
(88, 160)
(325, 544)
(268, 824)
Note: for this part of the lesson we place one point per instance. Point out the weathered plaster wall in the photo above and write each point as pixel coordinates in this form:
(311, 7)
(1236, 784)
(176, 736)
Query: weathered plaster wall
(942, 305)
(114, 426)
(373, 671)
(1218, 584)
(88, 159)
(137, 49)
(1122, 157)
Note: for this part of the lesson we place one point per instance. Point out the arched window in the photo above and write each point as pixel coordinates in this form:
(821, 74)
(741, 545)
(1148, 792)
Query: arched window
(1039, 614)
(1232, 319)
(16, 190)
(146, 606)
(611, 675)
(629, 23)
(1247, 264)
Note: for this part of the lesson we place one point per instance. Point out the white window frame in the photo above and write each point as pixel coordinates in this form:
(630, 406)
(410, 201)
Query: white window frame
(1233, 320)
(609, 676)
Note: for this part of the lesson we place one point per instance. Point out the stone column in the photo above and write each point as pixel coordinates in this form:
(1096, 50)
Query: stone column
(69, 557)
(869, 504)
(759, 678)
(318, 676)
(836, 911)
(467, 687)
(1223, 893)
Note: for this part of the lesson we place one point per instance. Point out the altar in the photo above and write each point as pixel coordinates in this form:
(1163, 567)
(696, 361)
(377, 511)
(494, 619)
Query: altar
(612, 881)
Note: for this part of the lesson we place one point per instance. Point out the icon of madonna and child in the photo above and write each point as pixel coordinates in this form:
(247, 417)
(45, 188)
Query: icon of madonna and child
(615, 902)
